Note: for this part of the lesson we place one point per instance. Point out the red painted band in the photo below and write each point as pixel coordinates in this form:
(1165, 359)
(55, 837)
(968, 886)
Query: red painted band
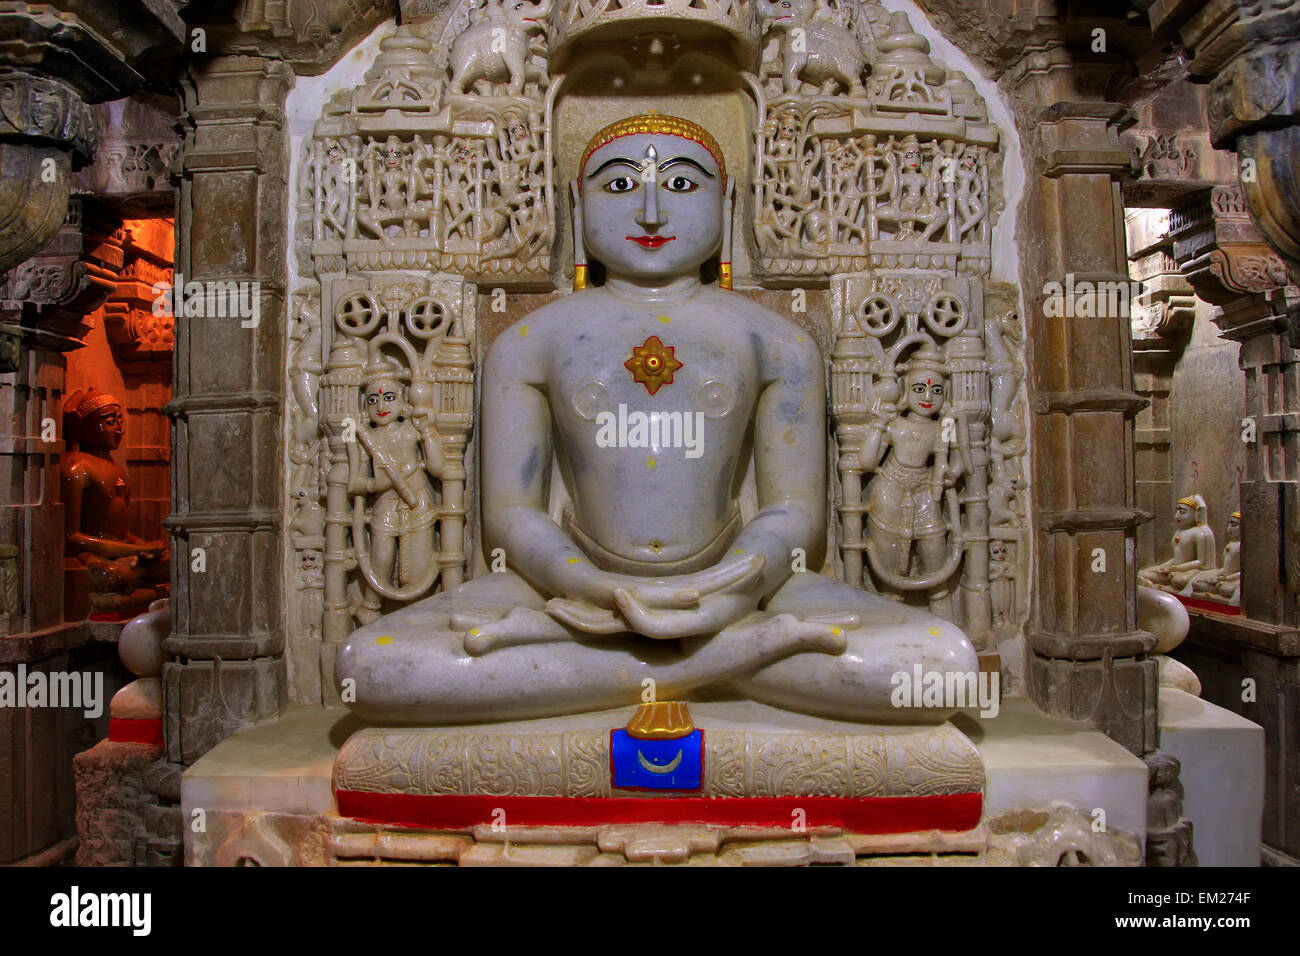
(954, 812)
(127, 730)
(1214, 607)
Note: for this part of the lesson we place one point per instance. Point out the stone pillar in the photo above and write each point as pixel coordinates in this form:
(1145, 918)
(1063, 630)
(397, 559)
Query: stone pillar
(227, 634)
(1087, 659)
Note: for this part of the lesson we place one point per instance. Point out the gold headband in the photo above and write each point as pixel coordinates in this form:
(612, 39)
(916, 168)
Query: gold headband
(1235, 514)
(1190, 502)
(655, 123)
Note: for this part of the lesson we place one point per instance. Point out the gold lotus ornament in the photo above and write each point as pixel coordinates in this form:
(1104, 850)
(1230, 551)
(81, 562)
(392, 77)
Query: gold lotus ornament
(652, 364)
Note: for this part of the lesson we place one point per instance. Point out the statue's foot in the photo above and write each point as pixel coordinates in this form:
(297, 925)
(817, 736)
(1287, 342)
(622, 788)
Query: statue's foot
(522, 625)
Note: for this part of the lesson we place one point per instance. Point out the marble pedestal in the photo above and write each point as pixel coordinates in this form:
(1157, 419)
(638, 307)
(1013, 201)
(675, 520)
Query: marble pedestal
(267, 797)
(757, 766)
(1222, 776)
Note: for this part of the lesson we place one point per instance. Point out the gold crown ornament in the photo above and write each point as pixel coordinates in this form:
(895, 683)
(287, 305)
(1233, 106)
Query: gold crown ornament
(653, 122)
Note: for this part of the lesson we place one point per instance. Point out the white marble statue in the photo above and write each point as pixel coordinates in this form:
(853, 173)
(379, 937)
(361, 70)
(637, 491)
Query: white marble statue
(655, 575)
(1222, 583)
(1193, 544)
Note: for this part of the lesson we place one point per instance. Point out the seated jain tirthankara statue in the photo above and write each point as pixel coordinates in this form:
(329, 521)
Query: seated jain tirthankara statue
(117, 572)
(655, 394)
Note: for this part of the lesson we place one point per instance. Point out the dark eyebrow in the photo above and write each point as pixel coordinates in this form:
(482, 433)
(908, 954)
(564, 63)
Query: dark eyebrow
(614, 162)
(684, 159)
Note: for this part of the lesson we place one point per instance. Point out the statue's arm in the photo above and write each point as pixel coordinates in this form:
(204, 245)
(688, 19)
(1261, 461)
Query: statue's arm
(790, 463)
(516, 434)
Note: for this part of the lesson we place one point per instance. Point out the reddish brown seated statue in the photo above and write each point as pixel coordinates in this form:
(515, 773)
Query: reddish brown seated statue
(111, 573)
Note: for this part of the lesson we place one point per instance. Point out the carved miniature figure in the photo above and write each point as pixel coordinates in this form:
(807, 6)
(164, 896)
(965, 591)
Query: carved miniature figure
(1002, 581)
(655, 572)
(494, 47)
(1222, 583)
(912, 197)
(1193, 544)
(405, 508)
(126, 573)
(813, 48)
(914, 474)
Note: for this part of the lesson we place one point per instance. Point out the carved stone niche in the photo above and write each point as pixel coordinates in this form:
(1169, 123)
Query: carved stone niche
(137, 327)
(1172, 157)
(443, 177)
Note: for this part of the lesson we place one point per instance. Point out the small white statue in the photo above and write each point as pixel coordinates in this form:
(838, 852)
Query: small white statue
(1193, 544)
(1224, 583)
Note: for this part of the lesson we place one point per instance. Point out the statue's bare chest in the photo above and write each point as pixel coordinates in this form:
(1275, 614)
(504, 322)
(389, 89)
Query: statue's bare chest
(656, 366)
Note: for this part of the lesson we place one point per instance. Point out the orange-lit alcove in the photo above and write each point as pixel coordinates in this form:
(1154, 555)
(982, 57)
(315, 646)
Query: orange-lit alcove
(129, 342)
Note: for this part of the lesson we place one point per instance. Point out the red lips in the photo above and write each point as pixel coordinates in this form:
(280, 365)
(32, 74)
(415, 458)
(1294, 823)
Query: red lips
(651, 242)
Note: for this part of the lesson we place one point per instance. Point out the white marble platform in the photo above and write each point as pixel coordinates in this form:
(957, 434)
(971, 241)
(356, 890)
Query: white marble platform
(275, 778)
(1222, 776)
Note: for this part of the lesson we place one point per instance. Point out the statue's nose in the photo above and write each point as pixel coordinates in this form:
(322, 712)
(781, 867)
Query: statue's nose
(650, 215)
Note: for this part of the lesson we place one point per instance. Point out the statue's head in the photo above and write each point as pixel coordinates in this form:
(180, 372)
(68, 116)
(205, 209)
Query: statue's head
(1190, 511)
(392, 151)
(99, 420)
(382, 392)
(911, 152)
(925, 383)
(652, 197)
(997, 550)
(1234, 526)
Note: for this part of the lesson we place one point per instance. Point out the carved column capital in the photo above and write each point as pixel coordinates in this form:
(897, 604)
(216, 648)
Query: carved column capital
(1220, 250)
(46, 130)
(1249, 52)
(39, 110)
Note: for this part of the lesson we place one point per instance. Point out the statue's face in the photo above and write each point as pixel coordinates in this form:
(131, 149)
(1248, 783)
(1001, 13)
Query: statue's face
(310, 560)
(392, 153)
(104, 429)
(652, 206)
(912, 157)
(518, 132)
(997, 550)
(1184, 516)
(1234, 528)
(384, 402)
(924, 392)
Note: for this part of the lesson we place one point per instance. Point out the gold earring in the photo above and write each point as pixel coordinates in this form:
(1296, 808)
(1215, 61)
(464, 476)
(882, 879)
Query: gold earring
(724, 267)
(579, 254)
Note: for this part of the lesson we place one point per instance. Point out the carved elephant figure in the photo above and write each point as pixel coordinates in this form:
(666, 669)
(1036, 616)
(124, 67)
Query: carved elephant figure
(813, 48)
(494, 46)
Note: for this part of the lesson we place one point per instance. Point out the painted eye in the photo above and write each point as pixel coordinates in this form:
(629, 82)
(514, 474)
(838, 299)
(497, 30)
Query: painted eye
(919, 389)
(680, 184)
(372, 399)
(621, 184)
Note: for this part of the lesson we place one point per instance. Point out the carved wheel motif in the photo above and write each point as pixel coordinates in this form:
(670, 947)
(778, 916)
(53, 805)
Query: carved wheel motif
(879, 315)
(945, 315)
